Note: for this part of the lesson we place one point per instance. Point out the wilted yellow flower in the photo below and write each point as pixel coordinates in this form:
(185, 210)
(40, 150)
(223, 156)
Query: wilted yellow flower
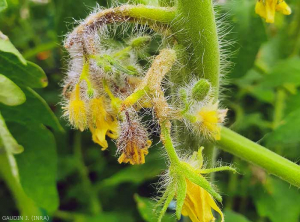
(267, 8)
(102, 123)
(198, 204)
(133, 142)
(77, 110)
(133, 154)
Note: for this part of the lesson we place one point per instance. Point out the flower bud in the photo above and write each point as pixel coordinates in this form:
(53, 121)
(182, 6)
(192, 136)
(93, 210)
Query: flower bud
(200, 90)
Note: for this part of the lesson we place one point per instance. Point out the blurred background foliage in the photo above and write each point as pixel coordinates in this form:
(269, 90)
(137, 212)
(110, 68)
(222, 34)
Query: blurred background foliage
(65, 175)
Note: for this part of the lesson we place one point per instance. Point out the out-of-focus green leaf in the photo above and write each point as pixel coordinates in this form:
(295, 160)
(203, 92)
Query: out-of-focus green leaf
(269, 54)
(146, 209)
(7, 46)
(286, 71)
(9, 142)
(232, 216)
(29, 75)
(253, 119)
(292, 103)
(264, 94)
(287, 133)
(37, 164)
(278, 201)
(34, 110)
(10, 93)
(250, 84)
(3, 5)
(248, 32)
(137, 173)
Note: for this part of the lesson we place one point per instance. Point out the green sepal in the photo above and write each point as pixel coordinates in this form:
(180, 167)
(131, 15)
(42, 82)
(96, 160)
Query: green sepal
(195, 177)
(218, 169)
(169, 198)
(181, 193)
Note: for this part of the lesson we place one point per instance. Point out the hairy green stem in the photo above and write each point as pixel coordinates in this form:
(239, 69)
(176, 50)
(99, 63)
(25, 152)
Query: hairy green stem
(260, 156)
(167, 140)
(164, 15)
(141, 14)
(200, 38)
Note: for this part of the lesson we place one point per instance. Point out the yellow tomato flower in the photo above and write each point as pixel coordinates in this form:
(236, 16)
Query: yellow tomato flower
(208, 120)
(102, 123)
(77, 110)
(198, 204)
(267, 8)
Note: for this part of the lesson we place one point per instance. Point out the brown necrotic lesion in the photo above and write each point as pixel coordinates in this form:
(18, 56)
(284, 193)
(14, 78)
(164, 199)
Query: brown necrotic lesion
(133, 142)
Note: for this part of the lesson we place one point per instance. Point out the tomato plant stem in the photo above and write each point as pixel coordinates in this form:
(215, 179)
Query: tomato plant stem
(260, 156)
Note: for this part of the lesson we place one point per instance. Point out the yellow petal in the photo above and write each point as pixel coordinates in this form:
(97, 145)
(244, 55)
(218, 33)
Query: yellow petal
(102, 123)
(270, 10)
(99, 137)
(77, 114)
(283, 8)
(214, 206)
(260, 9)
(197, 204)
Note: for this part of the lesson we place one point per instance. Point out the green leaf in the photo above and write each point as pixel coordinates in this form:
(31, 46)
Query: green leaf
(9, 142)
(269, 54)
(29, 75)
(288, 132)
(37, 164)
(146, 209)
(232, 216)
(286, 71)
(3, 5)
(7, 46)
(249, 33)
(10, 93)
(34, 110)
(278, 201)
(292, 103)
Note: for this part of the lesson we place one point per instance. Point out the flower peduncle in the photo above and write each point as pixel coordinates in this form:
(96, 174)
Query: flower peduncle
(155, 16)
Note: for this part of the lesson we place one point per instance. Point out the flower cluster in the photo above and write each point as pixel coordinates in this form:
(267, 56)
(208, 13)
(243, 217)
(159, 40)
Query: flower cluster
(105, 89)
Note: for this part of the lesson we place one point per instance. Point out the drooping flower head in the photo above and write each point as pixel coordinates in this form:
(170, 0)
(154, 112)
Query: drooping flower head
(133, 142)
(198, 204)
(194, 194)
(267, 9)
